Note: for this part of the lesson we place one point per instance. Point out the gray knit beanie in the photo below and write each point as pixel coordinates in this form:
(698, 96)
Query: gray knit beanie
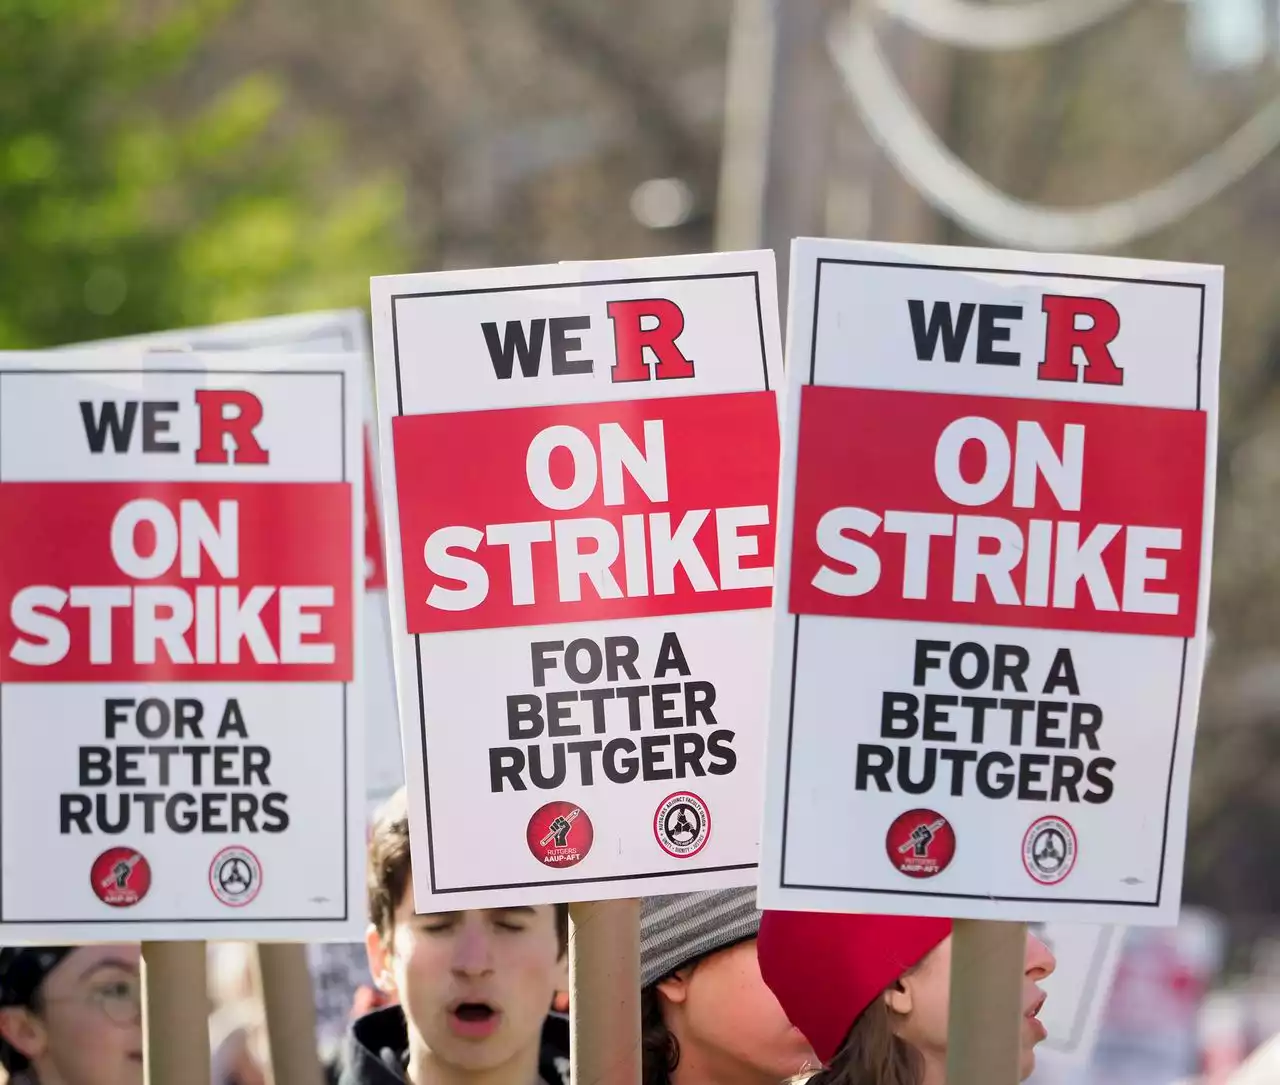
(676, 930)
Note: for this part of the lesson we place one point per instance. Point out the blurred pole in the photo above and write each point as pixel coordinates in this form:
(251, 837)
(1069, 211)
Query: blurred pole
(779, 92)
(175, 1013)
(289, 1002)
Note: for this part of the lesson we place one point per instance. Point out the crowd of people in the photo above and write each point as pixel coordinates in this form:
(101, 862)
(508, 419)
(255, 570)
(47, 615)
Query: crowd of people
(730, 996)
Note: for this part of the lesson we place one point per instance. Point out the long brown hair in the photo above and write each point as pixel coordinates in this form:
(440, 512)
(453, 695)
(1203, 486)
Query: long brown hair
(659, 1049)
(873, 1053)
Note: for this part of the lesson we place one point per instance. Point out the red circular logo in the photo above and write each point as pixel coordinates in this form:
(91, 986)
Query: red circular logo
(120, 877)
(560, 834)
(921, 843)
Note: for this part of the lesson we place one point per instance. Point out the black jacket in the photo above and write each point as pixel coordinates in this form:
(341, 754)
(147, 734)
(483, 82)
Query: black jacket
(377, 1048)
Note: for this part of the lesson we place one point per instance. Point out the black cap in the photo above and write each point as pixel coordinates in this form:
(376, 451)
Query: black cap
(22, 970)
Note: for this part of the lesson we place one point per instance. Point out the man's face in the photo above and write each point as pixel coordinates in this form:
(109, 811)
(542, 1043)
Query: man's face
(89, 1028)
(475, 985)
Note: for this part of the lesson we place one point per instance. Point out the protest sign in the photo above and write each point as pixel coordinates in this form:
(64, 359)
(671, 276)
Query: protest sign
(338, 331)
(994, 548)
(179, 683)
(579, 478)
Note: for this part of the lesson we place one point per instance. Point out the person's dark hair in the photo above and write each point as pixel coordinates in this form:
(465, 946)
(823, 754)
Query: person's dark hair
(659, 1049)
(388, 870)
(873, 1053)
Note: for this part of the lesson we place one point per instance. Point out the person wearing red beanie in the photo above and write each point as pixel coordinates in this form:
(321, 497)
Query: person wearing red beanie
(870, 993)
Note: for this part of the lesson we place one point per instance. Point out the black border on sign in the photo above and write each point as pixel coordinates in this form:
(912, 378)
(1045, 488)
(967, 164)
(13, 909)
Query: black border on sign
(795, 618)
(417, 637)
(237, 920)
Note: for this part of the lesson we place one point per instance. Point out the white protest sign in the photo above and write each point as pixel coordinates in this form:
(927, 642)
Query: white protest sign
(179, 682)
(994, 552)
(579, 475)
(339, 331)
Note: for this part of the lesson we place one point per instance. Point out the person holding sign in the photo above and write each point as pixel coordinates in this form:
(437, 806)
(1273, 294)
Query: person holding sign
(474, 988)
(706, 1014)
(871, 993)
(71, 1015)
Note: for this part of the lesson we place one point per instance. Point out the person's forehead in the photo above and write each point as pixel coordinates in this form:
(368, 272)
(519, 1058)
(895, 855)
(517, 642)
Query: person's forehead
(86, 960)
(528, 911)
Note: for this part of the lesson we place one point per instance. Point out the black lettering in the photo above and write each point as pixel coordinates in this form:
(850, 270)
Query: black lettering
(990, 333)
(621, 764)
(1015, 709)
(958, 759)
(1099, 773)
(128, 771)
(149, 801)
(1062, 672)
(632, 695)
(935, 713)
(925, 660)
(224, 766)
(981, 665)
(954, 334)
(993, 787)
(163, 754)
(698, 699)
(559, 707)
(109, 418)
(524, 716)
(584, 750)
(74, 810)
(257, 759)
(689, 748)
(595, 661)
(105, 824)
(620, 655)
(561, 364)
(1085, 720)
(196, 755)
(180, 813)
(873, 763)
(154, 427)
(664, 705)
(95, 766)
(1067, 773)
(505, 765)
(1030, 767)
(161, 710)
(898, 715)
(671, 656)
(542, 661)
(1012, 661)
(502, 352)
(980, 705)
(653, 751)
(720, 746)
(273, 806)
(115, 713)
(927, 776)
(596, 698)
(244, 813)
(558, 769)
(1047, 724)
(232, 722)
(212, 811)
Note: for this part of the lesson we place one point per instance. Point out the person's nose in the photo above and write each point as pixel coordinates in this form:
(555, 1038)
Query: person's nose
(1040, 961)
(473, 950)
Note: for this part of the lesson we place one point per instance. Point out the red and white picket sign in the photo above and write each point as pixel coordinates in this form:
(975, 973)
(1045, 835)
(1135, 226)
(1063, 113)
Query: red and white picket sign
(580, 477)
(179, 678)
(995, 529)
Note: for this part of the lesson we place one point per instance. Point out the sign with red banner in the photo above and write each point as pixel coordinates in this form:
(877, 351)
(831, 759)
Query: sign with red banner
(580, 477)
(179, 680)
(995, 529)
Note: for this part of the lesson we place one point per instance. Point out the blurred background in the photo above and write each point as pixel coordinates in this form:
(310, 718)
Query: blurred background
(169, 163)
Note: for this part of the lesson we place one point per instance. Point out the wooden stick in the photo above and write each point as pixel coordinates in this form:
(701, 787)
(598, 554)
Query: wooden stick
(175, 1013)
(984, 1038)
(290, 1004)
(604, 992)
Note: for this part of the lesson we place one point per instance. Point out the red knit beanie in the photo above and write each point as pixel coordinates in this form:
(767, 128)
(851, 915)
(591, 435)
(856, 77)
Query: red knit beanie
(826, 968)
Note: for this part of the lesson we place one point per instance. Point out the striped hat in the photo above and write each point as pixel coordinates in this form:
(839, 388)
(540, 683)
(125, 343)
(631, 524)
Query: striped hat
(679, 929)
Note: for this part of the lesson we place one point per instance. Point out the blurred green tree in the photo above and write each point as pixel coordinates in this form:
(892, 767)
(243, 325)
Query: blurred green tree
(121, 213)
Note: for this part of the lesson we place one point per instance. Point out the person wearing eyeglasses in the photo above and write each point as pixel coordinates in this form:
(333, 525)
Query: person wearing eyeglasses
(71, 1015)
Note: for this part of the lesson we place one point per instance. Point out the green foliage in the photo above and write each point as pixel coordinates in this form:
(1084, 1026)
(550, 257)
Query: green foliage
(120, 215)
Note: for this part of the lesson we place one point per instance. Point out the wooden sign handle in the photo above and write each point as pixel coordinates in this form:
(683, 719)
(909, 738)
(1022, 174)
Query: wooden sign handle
(604, 992)
(290, 1004)
(175, 1013)
(984, 1035)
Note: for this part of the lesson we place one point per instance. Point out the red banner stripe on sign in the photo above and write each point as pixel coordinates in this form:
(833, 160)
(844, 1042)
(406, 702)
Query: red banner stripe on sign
(134, 581)
(598, 510)
(375, 567)
(998, 511)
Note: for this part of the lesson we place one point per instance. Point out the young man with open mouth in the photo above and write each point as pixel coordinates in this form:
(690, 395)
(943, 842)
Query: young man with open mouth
(474, 989)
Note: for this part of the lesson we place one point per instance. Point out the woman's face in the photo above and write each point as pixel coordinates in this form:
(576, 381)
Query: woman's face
(729, 1024)
(926, 993)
